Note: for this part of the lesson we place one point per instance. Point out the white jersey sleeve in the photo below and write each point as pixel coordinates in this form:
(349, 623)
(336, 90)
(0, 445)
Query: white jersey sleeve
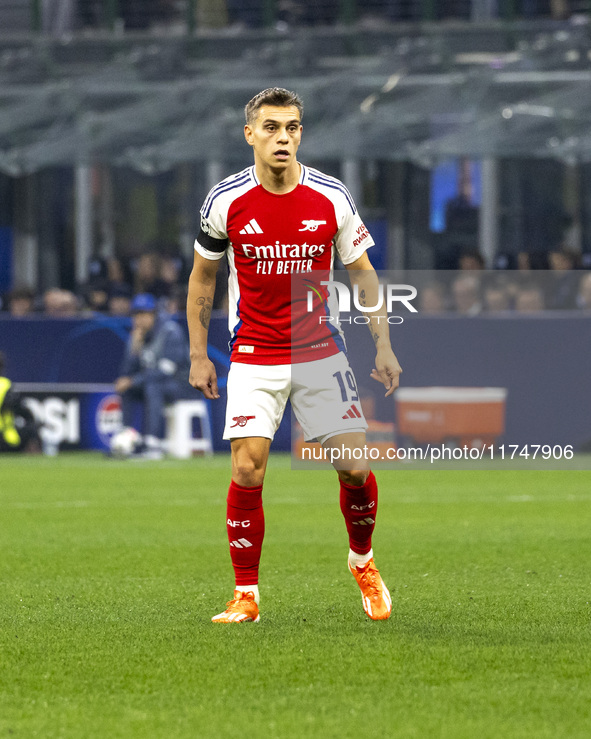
(352, 238)
(212, 240)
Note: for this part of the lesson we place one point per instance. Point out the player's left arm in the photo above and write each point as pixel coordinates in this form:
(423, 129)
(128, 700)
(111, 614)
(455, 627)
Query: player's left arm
(387, 368)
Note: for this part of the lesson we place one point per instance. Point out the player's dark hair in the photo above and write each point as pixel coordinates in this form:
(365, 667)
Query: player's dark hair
(277, 96)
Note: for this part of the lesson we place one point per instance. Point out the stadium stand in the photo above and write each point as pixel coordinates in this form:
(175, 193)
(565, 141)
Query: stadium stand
(113, 129)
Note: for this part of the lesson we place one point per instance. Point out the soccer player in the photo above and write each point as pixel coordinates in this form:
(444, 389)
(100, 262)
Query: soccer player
(274, 219)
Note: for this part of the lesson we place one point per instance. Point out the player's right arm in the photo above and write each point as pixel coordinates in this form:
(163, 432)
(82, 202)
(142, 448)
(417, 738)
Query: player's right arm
(199, 304)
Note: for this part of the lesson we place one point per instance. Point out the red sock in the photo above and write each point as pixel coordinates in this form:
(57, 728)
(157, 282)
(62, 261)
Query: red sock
(359, 505)
(245, 522)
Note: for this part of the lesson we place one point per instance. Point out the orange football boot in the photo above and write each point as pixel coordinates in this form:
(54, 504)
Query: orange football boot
(377, 602)
(242, 607)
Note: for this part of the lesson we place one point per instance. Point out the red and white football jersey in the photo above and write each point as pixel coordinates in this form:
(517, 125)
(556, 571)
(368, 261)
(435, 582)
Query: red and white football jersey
(267, 239)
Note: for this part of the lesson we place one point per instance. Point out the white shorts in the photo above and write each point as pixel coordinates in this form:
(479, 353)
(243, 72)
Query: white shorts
(323, 395)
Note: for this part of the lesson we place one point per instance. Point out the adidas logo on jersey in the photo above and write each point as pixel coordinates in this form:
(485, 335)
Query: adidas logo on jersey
(252, 227)
(353, 412)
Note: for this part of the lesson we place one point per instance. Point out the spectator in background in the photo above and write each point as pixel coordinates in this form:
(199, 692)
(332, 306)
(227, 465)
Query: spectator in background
(503, 261)
(432, 299)
(94, 292)
(103, 274)
(171, 274)
(461, 215)
(58, 303)
(496, 298)
(527, 261)
(563, 259)
(119, 303)
(146, 278)
(524, 261)
(176, 302)
(466, 295)
(565, 280)
(97, 270)
(116, 273)
(96, 296)
(154, 372)
(513, 285)
(583, 299)
(529, 299)
(21, 302)
(471, 259)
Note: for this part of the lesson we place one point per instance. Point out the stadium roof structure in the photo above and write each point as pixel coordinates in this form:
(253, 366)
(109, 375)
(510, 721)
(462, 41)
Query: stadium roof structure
(417, 92)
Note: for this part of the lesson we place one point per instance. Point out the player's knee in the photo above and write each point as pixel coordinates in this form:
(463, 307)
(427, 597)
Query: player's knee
(354, 477)
(247, 473)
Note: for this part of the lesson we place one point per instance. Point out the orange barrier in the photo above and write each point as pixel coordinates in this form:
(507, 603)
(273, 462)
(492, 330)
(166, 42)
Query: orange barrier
(468, 415)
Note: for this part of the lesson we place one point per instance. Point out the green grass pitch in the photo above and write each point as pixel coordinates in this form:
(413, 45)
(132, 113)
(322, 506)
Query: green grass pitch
(111, 571)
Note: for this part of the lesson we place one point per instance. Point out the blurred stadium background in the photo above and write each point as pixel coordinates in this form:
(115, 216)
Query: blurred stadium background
(116, 118)
(462, 128)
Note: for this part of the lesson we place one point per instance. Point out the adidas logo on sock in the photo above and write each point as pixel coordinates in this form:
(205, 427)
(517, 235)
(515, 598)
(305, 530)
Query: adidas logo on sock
(252, 227)
(364, 522)
(240, 543)
(353, 412)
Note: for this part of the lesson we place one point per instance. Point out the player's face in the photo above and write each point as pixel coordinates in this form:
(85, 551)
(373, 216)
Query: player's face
(275, 136)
